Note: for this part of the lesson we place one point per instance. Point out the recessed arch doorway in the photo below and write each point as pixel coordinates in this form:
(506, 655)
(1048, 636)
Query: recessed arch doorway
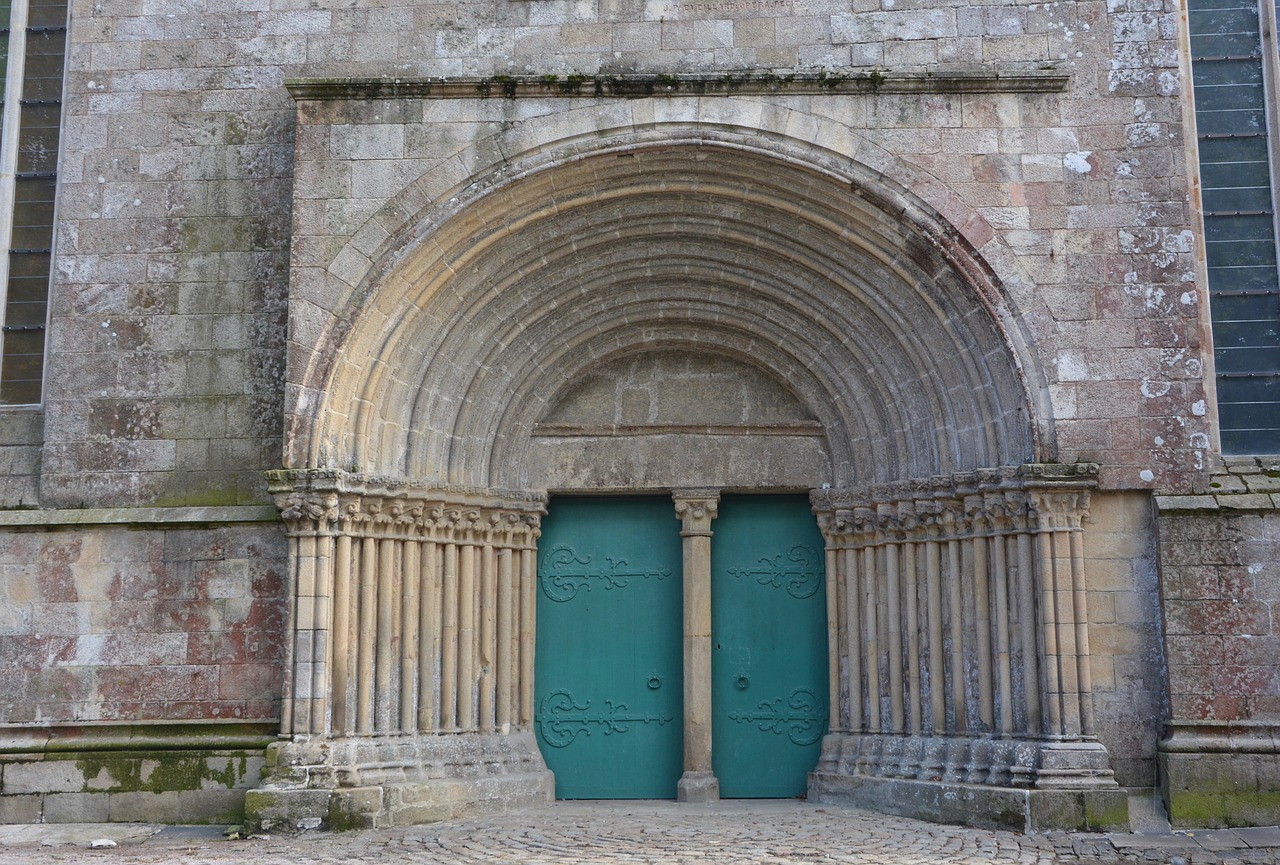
(695, 312)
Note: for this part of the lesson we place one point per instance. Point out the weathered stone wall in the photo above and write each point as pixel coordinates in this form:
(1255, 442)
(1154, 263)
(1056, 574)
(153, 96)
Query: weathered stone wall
(117, 623)
(186, 206)
(175, 772)
(1124, 632)
(166, 345)
(1220, 580)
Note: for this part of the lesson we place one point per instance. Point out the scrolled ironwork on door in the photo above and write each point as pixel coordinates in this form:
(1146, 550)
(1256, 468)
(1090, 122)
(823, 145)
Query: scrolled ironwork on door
(804, 717)
(561, 719)
(801, 576)
(564, 573)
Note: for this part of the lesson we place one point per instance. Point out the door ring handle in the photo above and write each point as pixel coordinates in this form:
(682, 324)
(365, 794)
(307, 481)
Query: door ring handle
(741, 681)
(655, 682)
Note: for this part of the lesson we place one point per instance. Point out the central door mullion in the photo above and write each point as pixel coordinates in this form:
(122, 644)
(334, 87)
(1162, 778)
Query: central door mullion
(696, 509)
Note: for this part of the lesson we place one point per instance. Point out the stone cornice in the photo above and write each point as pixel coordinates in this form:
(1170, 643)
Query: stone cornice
(283, 481)
(635, 86)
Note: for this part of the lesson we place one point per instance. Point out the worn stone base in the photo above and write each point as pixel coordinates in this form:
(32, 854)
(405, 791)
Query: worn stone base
(1217, 774)
(1020, 784)
(698, 787)
(154, 773)
(371, 782)
(1020, 810)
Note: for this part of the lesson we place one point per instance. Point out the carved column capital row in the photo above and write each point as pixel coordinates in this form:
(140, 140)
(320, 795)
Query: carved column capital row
(328, 503)
(1030, 498)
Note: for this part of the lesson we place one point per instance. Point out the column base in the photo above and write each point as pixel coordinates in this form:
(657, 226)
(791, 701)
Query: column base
(1019, 810)
(367, 782)
(698, 787)
(1019, 784)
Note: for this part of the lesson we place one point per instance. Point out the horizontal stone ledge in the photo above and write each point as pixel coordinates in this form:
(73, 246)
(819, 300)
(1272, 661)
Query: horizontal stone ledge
(138, 736)
(139, 516)
(1221, 737)
(1217, 503)
(644, 86)
(799, 428)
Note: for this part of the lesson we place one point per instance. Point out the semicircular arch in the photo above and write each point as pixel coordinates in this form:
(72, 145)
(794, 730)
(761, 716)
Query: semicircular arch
(886, 324)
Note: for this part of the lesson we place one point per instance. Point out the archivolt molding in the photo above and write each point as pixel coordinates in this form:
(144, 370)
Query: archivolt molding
(813, 260)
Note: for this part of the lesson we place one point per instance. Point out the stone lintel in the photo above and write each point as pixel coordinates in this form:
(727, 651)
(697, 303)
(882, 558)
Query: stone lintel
(640, 86)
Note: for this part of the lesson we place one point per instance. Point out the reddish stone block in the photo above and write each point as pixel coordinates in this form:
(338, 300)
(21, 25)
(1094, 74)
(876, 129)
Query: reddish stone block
(186, 616)
(57, 577)
(1243, 681)
(1247, 650)
(143, 649)
(1202, 650)
(248, 682)
(180, 683)
(1230, 617)
(1181, 554)
(1235, 582)
(118, 685)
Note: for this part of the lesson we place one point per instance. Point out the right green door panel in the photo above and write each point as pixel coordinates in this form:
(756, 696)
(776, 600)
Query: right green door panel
(608, 672)
(769, 649)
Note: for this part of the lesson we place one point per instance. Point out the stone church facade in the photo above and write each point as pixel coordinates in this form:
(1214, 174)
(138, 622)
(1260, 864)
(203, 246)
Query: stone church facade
(347, 302)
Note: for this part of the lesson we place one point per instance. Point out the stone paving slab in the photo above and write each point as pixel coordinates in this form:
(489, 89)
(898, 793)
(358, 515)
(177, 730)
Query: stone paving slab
(1260, 836)
(634, 833)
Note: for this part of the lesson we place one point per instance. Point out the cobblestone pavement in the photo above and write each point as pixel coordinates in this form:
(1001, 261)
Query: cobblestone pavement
(653, 833)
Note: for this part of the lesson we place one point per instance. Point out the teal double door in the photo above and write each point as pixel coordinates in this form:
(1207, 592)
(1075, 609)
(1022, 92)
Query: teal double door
(609, 704)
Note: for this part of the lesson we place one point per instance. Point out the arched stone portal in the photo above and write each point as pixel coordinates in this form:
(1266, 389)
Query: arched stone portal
(811, 325)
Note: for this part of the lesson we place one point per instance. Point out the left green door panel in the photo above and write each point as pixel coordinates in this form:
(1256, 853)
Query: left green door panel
(608, 665)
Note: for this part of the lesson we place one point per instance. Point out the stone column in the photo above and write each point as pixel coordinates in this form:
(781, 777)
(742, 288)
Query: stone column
(695, 510)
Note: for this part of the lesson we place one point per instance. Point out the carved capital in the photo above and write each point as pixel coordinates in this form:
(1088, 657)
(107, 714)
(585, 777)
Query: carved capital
(308, 513)
(696, 509)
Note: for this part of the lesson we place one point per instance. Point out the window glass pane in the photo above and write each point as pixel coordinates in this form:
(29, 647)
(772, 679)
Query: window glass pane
(21, 367)
(42, 77)
(38, 139)
(33, 212)
(46, 14)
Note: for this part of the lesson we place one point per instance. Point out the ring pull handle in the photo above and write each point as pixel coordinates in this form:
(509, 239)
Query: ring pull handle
(655, 682)
(741, 681)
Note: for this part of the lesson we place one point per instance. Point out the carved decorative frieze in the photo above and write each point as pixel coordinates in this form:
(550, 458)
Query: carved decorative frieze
(327, 502)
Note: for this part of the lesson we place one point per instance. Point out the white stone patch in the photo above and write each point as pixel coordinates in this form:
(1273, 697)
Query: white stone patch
(1159, 440)
(1188, 298)
(1072, 367)
(1078, 161)
(1198, 408)
(1147, 475)
(1152, 389)
(657, 10)
(1256, 568)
